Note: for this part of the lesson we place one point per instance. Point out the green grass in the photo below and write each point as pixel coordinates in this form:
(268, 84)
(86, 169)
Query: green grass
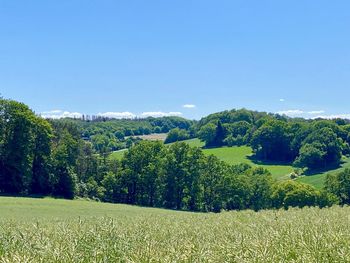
(317, 179)
(242, 154)
(47, 230)
(117, 155)
(194, 142)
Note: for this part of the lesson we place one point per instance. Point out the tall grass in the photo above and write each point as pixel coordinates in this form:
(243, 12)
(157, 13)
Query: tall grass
(132, 234)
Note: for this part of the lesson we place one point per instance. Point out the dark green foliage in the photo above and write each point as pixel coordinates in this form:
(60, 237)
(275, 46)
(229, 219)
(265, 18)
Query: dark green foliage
(24, 150)
(207, 134)
(176, 135)
(327, 142)
(272, 141)
(339, 185)
(219, 135)
(311, 156)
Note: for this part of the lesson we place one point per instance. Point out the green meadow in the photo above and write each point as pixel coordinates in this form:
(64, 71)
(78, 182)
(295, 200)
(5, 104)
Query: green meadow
(49, 230)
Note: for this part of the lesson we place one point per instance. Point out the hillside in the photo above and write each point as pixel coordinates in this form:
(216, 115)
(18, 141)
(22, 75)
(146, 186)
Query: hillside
(48, 230)
(67, 158)
(243, 154)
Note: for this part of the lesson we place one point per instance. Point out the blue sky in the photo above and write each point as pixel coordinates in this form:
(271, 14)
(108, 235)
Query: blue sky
(153, 57)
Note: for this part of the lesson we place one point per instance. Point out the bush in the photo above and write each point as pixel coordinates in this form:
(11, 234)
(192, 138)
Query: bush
(176, 135)
(294, 194)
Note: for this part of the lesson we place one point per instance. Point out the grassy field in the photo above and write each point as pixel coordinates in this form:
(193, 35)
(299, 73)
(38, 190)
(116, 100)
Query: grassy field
(317, 179)
(243, 154)
(117, 155)
(236, 155)
(47, 230)
(151, 137)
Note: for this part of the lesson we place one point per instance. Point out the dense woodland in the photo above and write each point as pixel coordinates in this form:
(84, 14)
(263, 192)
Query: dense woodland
(62, 158)
(310, 144)
(108, 135)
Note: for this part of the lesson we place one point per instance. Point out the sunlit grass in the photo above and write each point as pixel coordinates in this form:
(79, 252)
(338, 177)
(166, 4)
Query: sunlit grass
(46, 230)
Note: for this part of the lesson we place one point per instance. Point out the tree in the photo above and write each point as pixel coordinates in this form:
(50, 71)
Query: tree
(111, 185)
(320, 148)
(212, 182)
(176, 134)
(175, 174)
(294, 194)
(311, 155)
(261, 182)
(64, 176)
(193, 192)
(339, 185)
(219, 135)
(272, 141)
(208, 134)
(17, 144)
(142, 166)
(41, 174)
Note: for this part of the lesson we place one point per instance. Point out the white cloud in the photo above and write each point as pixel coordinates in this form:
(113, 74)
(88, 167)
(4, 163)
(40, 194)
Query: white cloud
(189, 106)
(118, 115)
(314, 112)
(291, 113)
(159, 114)
(334, 116)
(282, 100)
(58, 114)
(52, 112)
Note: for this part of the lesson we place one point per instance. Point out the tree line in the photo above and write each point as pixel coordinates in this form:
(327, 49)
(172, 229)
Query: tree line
(107, 135)
(47, 157)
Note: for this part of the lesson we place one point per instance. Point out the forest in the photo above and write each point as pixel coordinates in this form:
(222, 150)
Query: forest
(63, 158)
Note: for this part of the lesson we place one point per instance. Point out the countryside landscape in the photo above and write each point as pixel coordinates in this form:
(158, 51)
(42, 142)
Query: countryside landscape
(174, 131)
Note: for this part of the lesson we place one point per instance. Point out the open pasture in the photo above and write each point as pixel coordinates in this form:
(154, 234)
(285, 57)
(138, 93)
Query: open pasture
(49, 230)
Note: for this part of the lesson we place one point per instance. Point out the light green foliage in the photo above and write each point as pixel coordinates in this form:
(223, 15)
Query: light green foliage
(45, 230)
(292, 193)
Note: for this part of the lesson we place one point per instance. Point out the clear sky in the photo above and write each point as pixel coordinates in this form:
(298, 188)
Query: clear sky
(142, 56)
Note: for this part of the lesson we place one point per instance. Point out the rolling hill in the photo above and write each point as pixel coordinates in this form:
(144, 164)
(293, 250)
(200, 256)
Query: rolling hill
(243, 154)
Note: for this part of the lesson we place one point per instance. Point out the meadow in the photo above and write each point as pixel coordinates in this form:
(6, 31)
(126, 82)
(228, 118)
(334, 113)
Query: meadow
(151, 137)
(244, 154)
(49, 230)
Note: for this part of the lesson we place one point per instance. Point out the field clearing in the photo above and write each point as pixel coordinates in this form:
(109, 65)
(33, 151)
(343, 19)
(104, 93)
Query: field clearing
(236, 155)
(48, 230)
(117, 155)
(151, 137)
